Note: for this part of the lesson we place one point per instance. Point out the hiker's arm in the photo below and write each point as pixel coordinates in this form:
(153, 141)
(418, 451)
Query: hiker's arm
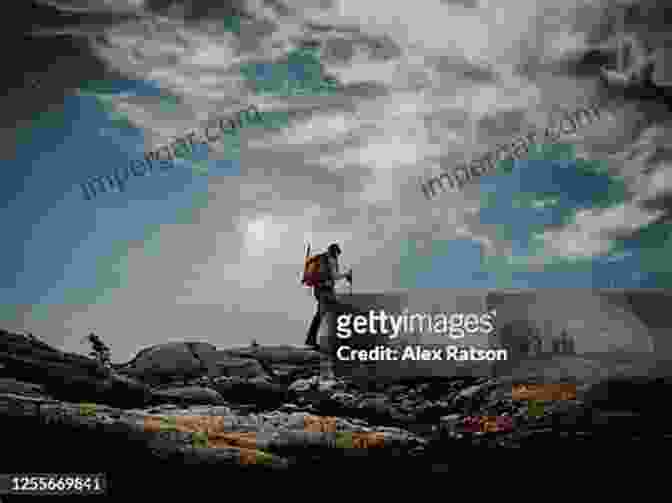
(333, 271)
(337, 275)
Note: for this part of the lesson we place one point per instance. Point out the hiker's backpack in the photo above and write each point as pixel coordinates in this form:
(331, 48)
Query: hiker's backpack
(315, 269)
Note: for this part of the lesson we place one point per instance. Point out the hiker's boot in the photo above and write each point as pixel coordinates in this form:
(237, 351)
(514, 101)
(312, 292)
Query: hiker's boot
(312, 342)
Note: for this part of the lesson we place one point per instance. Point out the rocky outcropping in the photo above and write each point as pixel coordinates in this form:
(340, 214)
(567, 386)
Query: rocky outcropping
(189, 394)
(67, 376)
(246, 368)
(285, 363)
(170, 361)
(307, 416)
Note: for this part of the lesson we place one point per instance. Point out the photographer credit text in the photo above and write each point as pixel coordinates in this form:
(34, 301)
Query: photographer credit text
(456, 325)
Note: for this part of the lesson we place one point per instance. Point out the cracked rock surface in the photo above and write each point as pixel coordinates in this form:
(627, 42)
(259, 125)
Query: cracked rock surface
(293, 412)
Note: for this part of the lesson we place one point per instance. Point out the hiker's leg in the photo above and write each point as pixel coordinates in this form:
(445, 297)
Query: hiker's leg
(326, 300)
(311, 339)
(328, 304)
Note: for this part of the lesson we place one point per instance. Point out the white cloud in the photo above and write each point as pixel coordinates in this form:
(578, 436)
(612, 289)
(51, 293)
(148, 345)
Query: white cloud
(588, 234)
(246, 252)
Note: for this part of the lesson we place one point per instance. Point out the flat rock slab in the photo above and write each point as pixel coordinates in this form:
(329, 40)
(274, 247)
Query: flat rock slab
(8, 385)
(279, 354)
(230, 366)
(193, 394)
(136, 426)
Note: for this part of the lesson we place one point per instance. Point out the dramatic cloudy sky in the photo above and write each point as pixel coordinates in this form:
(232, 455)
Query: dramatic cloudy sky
(212, 250)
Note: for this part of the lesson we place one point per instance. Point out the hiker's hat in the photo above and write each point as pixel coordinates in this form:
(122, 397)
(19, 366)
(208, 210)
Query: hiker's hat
(334, 248)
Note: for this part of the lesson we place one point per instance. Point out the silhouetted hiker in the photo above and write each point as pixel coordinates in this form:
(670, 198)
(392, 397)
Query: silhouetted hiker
(322, 273)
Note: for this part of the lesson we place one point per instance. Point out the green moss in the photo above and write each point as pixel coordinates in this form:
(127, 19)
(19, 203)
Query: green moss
(199, 439)
(263, 458)
(168, 423)
(344, 440)
(87, 409)
(535, 408)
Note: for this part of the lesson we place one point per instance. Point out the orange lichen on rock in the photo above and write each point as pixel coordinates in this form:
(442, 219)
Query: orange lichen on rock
(367, 440)
(545, 392)
(254, 457)
(154, 424)
(319, 424)
(213, 428)
(237, 439)
(205, 424)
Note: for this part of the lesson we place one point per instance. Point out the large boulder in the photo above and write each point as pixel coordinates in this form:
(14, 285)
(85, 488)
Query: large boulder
(285, 363)
(278, 354)
(9, 385)
(116, 391)
(228, 366)
(173, 360)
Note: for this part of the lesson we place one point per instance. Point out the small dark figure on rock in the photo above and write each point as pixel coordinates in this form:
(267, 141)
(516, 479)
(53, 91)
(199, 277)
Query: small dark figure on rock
(100, 351)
